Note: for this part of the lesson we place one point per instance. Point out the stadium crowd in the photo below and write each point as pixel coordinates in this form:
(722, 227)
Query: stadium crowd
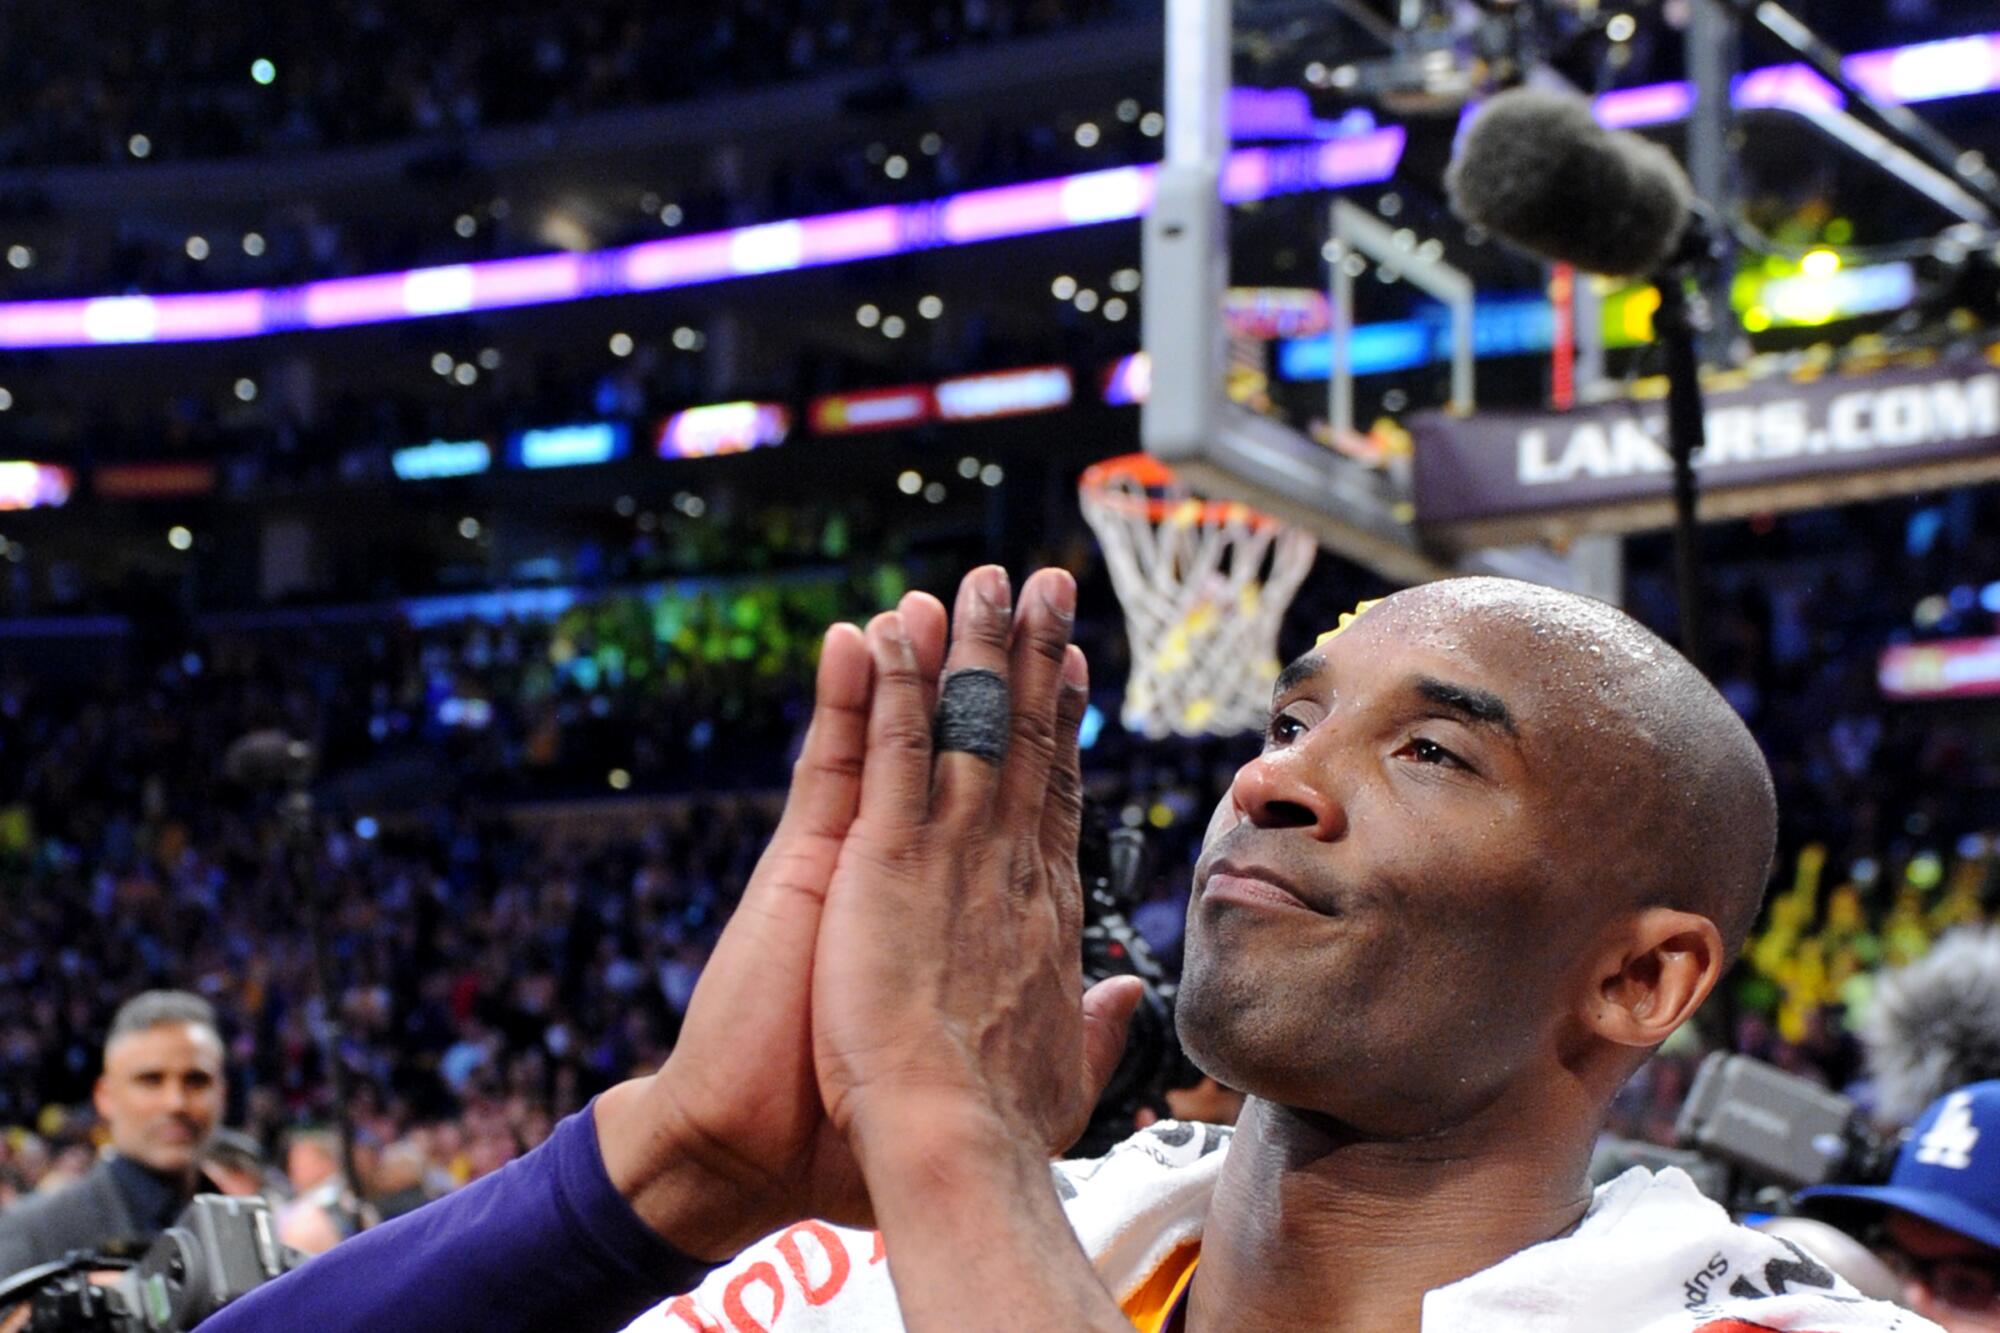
(502, 955)
(362, 72)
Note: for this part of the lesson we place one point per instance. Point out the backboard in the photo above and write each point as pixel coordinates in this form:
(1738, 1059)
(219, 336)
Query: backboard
(1234, 319)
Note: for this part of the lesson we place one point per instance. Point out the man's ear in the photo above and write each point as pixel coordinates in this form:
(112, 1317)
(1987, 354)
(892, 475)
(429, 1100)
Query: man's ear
(1652, 975)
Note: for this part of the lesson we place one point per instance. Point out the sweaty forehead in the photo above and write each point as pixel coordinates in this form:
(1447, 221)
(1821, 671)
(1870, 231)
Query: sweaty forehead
(1558, 660)
(1502, 615)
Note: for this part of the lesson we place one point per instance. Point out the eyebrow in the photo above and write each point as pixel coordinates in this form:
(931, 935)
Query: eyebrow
(1297, 674)
(1472, 704)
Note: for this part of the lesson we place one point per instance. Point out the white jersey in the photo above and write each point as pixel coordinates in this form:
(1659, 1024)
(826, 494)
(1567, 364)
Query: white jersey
(1651, 1256)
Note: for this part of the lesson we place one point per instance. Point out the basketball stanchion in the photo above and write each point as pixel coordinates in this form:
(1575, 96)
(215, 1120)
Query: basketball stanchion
(1204, 584)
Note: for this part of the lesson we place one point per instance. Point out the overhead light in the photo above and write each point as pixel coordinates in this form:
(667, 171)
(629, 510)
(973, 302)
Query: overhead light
(618, 779)
(246, 390)
(1063, 288)
(20, 256)
(934, 492)
(197, 248)
(893, 326)
(489, 358)
(1128, 110)
(868, 316)
(896, 167)
(264, 72)
(1621, 28)
(466, 225)
(180, 538)
(1087, 134)
(626, 506)
(931, 144)
(253, 244)
(1115, 309)
(441, 363)
(687, 339)
(968, 467)
(465, 373)
(1086, 300)
(909, 483)
(621, 344)
(991, 474)
(6, 400)
(469, 528)
(139, 146)
(1125, 280)
(930, 307)
(1152, 125)
(1820, 263)
(671, 215)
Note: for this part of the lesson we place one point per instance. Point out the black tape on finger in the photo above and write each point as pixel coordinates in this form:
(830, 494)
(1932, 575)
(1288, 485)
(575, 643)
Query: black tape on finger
(972, 714)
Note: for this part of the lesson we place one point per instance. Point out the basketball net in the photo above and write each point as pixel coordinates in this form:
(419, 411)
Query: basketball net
(1204, 584)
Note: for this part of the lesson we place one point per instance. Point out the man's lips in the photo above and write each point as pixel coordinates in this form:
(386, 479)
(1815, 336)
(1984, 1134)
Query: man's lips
(1253, 886)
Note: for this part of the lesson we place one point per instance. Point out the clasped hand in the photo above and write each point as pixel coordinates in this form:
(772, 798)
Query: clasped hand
(906, 957)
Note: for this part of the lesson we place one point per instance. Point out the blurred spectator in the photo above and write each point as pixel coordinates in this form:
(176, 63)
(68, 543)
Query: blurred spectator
(400, 1184)
(1937, 1220)
(235, 1165)
(160, 1095)
(323, 1210)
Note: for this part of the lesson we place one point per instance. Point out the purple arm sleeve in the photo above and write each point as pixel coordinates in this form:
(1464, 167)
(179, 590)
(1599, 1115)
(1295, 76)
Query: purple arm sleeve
(543, 1243)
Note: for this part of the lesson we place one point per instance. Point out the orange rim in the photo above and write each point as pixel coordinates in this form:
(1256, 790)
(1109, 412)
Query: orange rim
(1148, 475)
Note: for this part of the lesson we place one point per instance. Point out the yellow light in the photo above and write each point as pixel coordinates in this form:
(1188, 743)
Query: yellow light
(1756, 319)
(1161, 815)
(1640, 308)
(1820, 264)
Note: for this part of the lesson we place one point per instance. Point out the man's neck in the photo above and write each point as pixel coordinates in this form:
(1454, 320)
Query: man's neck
(155, 1197)
(1305, 1218)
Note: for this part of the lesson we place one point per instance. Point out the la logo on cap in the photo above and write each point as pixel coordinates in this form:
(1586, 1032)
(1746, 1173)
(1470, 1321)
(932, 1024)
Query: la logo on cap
(1950, 1141)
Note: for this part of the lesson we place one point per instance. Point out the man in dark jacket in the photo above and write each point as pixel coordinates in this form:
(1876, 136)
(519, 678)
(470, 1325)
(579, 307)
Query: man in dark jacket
(160, 1095)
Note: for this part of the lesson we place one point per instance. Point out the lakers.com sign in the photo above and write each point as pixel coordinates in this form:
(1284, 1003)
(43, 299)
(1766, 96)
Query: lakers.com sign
(1502, 476)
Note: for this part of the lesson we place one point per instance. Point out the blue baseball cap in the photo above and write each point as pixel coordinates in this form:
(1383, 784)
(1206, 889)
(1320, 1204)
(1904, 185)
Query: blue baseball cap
(1948, 1172)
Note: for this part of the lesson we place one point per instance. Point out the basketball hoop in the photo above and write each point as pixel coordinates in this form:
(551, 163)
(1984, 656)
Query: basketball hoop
(1204, 584)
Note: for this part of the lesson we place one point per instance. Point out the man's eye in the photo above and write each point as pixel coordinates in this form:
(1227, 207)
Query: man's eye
(1284, 729)
(1430, 752)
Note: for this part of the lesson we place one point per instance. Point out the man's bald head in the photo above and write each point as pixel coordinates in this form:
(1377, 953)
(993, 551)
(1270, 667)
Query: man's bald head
(1499, 842)
(1675, 804)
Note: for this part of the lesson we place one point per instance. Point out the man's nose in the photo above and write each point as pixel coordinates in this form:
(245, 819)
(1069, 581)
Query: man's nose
(1291, 788)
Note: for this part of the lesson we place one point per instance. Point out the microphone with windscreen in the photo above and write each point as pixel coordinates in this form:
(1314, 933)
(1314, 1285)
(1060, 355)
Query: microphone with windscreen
(1535, 169)
(1935, 1024)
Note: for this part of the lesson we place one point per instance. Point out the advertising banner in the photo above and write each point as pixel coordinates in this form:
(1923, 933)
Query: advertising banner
(1775, 445)
(1947, 669)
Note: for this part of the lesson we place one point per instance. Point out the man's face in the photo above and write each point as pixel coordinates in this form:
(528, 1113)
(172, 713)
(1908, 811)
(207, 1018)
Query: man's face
(1380, 930)
(161, 1094)
(1949, 1278)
